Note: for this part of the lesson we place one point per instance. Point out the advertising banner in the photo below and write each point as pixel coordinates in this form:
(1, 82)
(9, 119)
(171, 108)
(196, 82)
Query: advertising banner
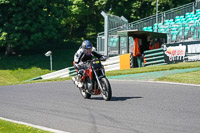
(182, 52)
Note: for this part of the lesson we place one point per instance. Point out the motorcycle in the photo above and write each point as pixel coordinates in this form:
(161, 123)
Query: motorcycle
(95, 81)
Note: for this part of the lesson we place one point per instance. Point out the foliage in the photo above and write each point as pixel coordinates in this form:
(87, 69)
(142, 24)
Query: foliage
(137, 9)
(29, 24)
(40, 24)
(85, 18)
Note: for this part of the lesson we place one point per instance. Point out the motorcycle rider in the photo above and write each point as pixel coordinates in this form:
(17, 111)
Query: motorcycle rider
(84, 53)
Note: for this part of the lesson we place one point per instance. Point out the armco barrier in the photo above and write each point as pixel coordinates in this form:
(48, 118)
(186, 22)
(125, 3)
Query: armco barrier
(109, 65)
(154, 57)
(70, 71)
(112, 63)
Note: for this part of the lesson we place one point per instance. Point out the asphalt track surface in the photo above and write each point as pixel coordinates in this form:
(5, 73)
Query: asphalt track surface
(136, 107)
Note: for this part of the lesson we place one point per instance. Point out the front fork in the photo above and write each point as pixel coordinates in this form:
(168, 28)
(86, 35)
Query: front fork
(98, 78)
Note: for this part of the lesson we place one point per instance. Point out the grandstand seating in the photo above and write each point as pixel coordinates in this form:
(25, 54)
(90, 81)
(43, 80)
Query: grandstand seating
(181, 27)
(177, 29)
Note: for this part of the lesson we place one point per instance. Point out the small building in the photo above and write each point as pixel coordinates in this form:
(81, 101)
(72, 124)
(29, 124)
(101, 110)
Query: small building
(127, 38)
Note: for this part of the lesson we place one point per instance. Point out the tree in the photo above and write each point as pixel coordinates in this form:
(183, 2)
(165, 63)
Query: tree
(29, 24)
(138, 9)
(38, 23)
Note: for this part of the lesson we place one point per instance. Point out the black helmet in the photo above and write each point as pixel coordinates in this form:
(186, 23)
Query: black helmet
(86, 44)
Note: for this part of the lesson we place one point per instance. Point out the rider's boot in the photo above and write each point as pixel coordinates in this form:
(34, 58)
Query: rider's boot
(73, 79)
(78, 81)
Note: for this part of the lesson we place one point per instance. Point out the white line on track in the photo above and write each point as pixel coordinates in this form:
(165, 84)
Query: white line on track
(35, 126)
(162, 82)
(175, 83)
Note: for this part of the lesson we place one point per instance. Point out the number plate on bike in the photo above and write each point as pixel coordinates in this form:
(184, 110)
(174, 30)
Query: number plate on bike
(96, 64)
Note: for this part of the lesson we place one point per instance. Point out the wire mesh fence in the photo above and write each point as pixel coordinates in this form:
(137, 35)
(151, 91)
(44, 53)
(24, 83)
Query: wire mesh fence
(180, 24)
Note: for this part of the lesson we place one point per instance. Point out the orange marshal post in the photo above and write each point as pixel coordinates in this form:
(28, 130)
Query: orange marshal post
(125, 61)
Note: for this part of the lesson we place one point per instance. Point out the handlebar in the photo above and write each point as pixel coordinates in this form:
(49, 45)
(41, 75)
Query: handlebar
(103, 58)
(89, 62)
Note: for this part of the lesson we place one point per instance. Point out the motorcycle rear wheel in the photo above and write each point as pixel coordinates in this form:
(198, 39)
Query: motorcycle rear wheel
(107, 92)
(85, 94)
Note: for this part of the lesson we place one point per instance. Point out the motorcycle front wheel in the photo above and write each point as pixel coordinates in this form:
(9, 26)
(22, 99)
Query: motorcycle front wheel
(107, 92)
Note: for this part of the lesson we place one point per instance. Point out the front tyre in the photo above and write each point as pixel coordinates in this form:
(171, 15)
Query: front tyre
(107, 92)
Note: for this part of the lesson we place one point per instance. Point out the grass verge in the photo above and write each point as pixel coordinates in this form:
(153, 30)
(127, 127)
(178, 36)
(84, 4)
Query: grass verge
(16, 69)
(154, 68)
(9, 127)
(190, 77)
(18, 76)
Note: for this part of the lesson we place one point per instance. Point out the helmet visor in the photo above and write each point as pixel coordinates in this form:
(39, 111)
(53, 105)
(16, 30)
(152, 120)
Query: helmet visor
(89, 50)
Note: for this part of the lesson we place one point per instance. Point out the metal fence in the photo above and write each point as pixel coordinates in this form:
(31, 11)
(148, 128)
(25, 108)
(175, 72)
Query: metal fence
(108, 45)
(112, 24)
(170, 14)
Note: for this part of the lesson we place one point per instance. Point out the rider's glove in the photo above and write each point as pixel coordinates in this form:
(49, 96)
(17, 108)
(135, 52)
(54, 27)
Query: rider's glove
(104, 58)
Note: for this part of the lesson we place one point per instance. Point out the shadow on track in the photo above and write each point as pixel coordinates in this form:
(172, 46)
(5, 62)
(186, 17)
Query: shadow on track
(116, 98)
(123, 98)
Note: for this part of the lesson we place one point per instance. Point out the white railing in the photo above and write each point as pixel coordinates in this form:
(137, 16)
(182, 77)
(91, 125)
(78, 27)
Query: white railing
(70, 71)
(112, 63)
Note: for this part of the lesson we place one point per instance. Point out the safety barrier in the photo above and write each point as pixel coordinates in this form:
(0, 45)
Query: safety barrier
(154, 57)
(112, 63)
(70, 71)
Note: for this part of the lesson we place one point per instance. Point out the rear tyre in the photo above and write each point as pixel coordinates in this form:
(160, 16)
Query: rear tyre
(107, 92)
(85, 94)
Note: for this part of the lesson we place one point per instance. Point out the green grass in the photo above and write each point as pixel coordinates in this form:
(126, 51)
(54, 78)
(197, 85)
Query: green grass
(9, 127)
(61, 59)
(17, 69)
(154, 68)
(18, 76)
(190, 77)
